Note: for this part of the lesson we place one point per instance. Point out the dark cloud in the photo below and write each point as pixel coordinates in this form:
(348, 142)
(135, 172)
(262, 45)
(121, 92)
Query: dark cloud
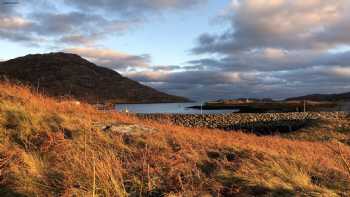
(198, 84)
(134, 8)
(273, 60)
(62, 28)
(62, 23)
(6, 9)
(17, 37)
(47, 23)
(166, 67)
(201, 85)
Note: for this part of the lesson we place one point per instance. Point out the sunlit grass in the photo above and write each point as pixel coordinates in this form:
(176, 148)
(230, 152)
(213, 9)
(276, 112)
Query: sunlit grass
(51, 147)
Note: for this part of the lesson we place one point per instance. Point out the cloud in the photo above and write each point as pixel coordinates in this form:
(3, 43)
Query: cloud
(189, 83)
(111, 58)
(341, 71)
(5, 10)
(273, 60)
(204, 85)
(270, 48)
(63, 28)
(133, 8)
(77, 23)
(83, 23)
(14, 22)
(166, 68)
(15, 28)
(287, 48)
(79, 39)
(283, 24)
(188, 77)
(18, 37)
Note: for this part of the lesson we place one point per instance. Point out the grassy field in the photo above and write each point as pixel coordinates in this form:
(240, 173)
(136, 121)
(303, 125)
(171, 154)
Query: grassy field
(65, 148)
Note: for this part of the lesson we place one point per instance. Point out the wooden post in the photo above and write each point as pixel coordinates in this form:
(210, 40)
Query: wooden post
(94, 175)
(38, 86)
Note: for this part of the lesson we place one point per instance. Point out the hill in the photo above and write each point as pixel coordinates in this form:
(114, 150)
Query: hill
(323, 97)
(63, 74)
(61, 148)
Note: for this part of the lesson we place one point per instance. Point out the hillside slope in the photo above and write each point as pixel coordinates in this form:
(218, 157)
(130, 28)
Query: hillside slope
(51, 148)
(63, 74)
(323, 97)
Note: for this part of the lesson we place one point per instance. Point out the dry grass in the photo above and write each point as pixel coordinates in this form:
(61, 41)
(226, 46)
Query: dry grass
(56, 148)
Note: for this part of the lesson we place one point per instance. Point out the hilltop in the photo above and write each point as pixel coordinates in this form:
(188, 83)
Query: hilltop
(64, 74)
(61, 148)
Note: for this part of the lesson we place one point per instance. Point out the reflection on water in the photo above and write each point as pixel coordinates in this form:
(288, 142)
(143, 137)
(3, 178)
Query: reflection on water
(174, 108)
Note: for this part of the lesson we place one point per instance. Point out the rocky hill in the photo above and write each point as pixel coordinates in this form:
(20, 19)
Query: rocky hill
(63, 74)
(323, 97)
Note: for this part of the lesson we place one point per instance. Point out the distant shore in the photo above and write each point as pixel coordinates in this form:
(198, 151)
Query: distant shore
(153, 102)
(269, 106)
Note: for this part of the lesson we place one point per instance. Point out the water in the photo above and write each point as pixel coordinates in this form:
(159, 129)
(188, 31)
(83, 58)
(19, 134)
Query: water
(181, 108)
(173, 108)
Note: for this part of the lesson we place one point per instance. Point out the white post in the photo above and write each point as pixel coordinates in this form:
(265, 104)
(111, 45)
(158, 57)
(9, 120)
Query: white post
(201, 108)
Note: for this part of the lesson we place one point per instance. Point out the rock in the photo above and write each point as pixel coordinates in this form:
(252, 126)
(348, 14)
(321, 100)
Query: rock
(213, 154)
(68, 134)
(230, 156)
(123, 128)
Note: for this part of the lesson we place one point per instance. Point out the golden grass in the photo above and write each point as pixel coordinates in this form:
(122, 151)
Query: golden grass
(51, 147)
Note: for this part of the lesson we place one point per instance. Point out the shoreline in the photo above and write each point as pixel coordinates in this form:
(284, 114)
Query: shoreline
(138, 103)
(270, 107)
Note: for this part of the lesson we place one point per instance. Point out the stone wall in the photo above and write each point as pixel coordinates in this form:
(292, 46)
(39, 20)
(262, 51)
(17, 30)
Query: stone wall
(263, 123)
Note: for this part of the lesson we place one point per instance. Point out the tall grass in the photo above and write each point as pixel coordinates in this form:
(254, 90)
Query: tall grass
(51, 147)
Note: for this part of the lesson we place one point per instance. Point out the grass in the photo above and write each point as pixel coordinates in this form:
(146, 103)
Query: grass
(324, 131)
(51, 147)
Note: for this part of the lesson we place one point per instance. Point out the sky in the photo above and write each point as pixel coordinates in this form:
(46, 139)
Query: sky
(200, 49)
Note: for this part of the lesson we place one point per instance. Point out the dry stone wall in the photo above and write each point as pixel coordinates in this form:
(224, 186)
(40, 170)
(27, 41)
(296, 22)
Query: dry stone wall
(262, 123)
